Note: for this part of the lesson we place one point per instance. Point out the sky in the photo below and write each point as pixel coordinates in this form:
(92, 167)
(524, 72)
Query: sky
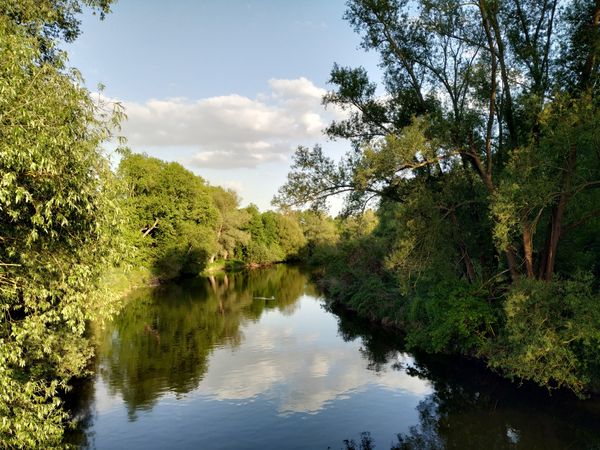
(227, 88)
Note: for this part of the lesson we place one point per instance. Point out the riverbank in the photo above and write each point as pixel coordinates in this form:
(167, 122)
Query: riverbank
(524, 335)
(234, 265)
(122, 281)
(292, 374)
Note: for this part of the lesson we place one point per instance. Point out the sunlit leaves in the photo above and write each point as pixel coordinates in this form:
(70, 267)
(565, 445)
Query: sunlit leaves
(59, 226)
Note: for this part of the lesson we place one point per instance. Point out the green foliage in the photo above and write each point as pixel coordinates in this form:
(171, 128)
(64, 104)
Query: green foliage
(357, 226)
(552, 334)
(231, 222)
(483, 156)
(353, 273)
(172, 217)
(320, 231)
(180, 225)
(263, 246)
(531, 184)
(450, 317)
(273, 237)
(59, 229)
(289, 234)
(50, 20)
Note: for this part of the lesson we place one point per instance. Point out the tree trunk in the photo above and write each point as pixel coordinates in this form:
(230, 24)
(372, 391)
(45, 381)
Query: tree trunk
(587, 78)
(492, 27)
(558, 213)
(511, 258)
(464, 253)
(548, 261)
(213, 283)
(528, 250)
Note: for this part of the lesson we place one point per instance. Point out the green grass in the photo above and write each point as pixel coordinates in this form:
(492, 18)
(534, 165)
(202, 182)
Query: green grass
(224, 265)
(122, 281)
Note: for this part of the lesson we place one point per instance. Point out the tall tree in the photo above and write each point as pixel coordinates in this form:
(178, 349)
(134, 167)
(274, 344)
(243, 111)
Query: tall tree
(481, 108)
(171, 214)
(231, 223)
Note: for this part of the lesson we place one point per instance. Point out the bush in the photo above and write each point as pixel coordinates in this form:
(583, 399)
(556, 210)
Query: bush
(552, 334)
(450, 317)
(354, 273)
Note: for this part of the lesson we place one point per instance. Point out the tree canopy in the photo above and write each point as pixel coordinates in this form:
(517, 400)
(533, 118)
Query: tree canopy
(482, 156)
(483, 112)
(59, 222)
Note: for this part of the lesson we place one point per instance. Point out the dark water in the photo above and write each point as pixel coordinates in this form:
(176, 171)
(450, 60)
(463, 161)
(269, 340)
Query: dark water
(207, 365)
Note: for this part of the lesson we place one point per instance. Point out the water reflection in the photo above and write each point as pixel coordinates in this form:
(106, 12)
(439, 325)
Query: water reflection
(471, 408)
(208, 364)
(305, 375)
(162, 340)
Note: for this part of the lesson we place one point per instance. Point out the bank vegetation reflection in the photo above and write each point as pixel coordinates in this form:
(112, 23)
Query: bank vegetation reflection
(166, 338)
(162, 340)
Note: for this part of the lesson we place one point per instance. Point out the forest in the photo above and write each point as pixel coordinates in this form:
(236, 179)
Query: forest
(471, 218)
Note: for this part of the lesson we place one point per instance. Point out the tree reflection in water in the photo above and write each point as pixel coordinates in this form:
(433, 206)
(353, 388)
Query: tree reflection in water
(162, 341)
(471, 408)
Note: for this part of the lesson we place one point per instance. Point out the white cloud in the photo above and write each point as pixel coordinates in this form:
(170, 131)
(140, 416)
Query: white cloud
(297, 89)
(236, 185)
(275, 363)
(231, 131)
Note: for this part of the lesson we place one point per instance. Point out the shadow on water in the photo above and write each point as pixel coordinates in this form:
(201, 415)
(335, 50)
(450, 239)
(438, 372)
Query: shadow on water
(473, 408)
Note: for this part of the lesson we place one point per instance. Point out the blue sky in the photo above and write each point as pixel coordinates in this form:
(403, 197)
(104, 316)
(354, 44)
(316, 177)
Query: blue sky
(227, 88)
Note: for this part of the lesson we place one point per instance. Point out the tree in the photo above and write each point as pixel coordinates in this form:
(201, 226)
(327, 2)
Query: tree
(289, 234)
(49, 21)
(231, 222)
(483, 156)
(172, 215)
(476, 95)
(59, 225)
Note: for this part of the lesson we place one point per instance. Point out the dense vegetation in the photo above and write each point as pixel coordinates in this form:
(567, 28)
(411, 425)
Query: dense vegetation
(56, 231)
(179, 225)
(66, 219)
(483, 157)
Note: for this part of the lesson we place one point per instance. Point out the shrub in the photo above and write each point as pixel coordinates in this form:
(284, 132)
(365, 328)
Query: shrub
(552, 334)
(450, 317)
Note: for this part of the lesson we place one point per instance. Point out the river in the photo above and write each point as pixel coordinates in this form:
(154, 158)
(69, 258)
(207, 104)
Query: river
(256, 360)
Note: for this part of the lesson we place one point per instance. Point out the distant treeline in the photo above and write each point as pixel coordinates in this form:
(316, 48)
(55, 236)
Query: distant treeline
(178, 225)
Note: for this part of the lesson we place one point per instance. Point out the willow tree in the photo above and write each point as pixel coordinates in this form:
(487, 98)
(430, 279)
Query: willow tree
(57, 219)
(231, 222)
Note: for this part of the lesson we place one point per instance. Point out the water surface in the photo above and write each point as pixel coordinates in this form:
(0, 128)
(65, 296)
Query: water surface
(255, 360)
